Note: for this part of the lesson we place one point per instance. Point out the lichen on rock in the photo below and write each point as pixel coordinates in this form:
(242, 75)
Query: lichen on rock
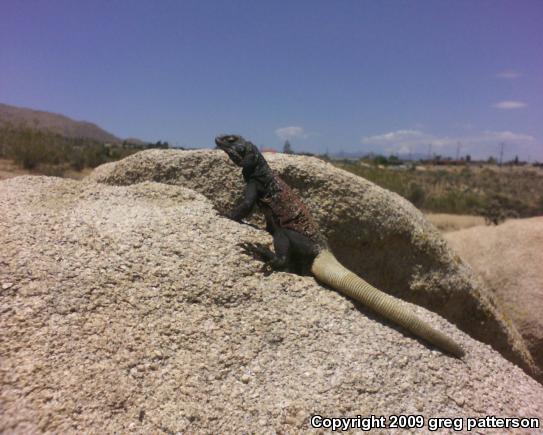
(372, 231)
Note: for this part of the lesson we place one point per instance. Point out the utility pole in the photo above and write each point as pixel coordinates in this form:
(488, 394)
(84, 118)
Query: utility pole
(501, 153)
(429, 151)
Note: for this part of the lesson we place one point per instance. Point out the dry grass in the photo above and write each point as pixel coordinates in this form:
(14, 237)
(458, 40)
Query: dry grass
(464, 190)
(9, 169)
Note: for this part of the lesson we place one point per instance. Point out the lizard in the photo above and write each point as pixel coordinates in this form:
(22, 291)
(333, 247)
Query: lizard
(301, 247)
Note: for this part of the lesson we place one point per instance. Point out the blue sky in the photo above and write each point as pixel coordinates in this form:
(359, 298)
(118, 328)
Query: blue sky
(382, 76)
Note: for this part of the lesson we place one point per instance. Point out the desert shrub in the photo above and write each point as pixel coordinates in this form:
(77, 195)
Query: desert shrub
(500, 207)
(94, 155)
(472, 190)
(539, 204)
(416, 194)
(32, 148)
(494, 213)
(29, 154)
(77, 159)
(455, 201)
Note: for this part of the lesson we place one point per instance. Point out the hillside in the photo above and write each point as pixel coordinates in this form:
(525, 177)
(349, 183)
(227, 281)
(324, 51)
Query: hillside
(53, 122)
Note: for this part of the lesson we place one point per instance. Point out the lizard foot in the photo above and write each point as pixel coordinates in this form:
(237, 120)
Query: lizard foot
(257, 251)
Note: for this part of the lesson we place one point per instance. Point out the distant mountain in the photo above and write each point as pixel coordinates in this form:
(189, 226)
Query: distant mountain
(360, 154)
(18, 116)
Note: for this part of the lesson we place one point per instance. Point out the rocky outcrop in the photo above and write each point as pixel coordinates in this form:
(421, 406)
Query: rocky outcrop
(132, 309)
(374, 232)
(509, 258)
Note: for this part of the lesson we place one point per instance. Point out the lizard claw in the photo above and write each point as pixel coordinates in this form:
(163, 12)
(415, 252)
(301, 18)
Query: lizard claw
(266, 269)
(259, 252)
(256, 250)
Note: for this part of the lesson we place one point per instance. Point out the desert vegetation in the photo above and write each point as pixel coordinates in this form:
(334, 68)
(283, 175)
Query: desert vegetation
(51, 153)
(489, 190)
(495, 192)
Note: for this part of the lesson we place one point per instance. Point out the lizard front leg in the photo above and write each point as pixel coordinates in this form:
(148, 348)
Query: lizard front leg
(244, 208)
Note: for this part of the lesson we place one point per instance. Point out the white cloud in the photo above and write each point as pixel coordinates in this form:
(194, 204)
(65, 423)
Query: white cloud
(508, 75)
(504, 136)
(508, 105)
(291, 132)
(395, 136)
(401, 140)
(417, 141)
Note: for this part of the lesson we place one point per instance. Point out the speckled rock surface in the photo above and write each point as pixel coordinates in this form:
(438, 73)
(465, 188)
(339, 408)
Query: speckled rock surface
(374, 232)
(133, 310)
(509, 257)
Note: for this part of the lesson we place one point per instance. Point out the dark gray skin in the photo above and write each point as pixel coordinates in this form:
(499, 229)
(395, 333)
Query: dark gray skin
(299, 245)
(296, 246)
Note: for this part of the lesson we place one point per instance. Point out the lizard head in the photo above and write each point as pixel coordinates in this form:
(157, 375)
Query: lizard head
(238, 149)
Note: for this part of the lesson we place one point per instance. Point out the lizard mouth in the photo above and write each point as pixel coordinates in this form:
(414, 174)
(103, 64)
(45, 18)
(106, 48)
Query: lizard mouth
(226, 141)
(219, 142)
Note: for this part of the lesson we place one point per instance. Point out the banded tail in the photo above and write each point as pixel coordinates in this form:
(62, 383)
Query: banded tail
(330, 271)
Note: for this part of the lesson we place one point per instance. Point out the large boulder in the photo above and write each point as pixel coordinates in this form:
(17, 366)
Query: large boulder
(509, 258)
(133, 310)
(374, 232)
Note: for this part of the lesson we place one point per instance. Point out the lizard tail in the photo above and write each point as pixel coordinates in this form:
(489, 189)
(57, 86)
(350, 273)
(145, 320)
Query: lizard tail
(330, 271)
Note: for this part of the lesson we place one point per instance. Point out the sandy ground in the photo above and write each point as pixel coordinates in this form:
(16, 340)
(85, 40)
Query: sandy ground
(445, 222)
(509, 258)
(8, 169)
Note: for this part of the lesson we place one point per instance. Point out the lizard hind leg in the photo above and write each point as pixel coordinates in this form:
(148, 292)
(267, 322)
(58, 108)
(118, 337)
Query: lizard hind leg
(281, 258)
(302, 252)
(288, 255)
(278, 260)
